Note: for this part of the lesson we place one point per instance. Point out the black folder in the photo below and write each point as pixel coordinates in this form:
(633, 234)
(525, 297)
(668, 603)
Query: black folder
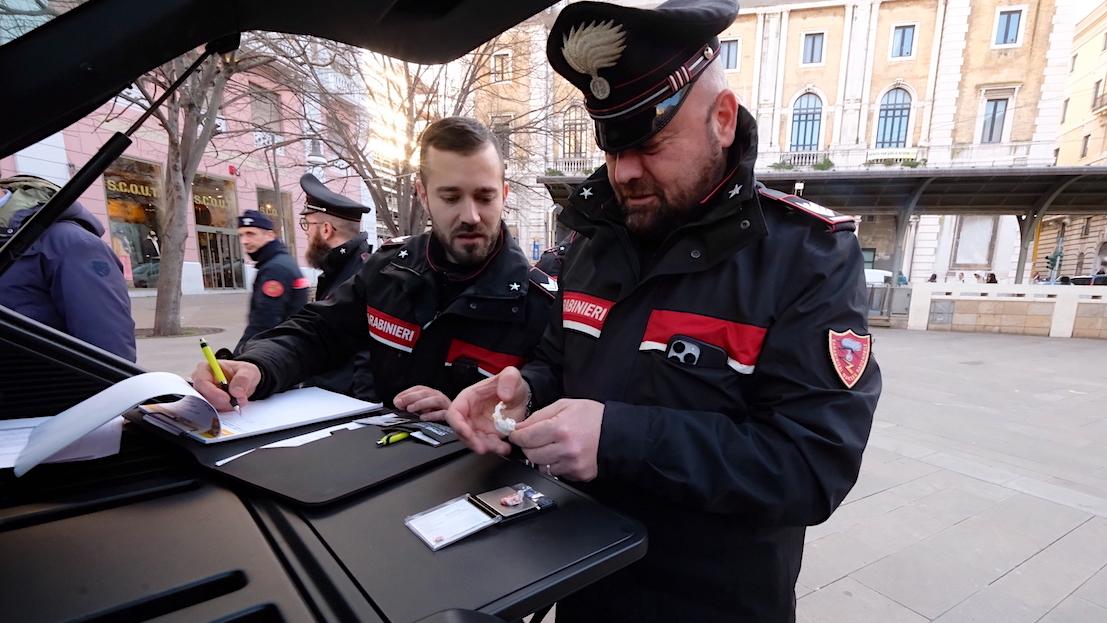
(322, 471)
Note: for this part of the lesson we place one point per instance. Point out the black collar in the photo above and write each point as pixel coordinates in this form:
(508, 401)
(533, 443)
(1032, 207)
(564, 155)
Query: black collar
(338, 256)
(267, 252)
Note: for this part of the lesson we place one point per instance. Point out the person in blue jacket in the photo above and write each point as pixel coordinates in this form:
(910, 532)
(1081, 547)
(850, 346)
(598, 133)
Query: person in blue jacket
(280, 290)
(69, 279)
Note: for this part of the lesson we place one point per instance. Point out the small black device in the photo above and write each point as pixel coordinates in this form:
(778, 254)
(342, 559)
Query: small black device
(693, 352)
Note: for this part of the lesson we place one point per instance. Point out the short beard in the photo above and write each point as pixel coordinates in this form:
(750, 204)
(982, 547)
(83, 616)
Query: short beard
(467, 256)
(675, 205)
(317, 252)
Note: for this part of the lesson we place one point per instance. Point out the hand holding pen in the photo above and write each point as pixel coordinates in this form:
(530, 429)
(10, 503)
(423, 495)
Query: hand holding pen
(240, 380)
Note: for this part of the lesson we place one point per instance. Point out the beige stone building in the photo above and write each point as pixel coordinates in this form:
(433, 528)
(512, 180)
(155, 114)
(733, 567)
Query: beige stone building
(1081, 240)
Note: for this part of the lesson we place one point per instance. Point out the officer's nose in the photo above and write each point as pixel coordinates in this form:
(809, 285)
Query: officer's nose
(469, 213)
(625, 166)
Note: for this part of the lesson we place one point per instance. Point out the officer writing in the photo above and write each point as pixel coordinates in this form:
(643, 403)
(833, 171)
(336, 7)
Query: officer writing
(279, 287)
(436, 312)
(707, 369)
(338, 247)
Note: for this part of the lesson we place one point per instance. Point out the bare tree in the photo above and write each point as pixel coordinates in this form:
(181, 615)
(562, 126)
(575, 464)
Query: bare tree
(362, 113)
(188, 118)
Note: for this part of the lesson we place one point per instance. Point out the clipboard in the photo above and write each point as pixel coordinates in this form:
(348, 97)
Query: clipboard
(334, 467)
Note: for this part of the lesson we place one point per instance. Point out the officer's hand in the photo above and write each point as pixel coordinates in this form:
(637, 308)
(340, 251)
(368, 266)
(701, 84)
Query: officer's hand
(470, 414)
(429, 403)
(242, 378)
(563, 439)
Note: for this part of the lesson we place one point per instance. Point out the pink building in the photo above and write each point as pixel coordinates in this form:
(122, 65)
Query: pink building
(227, 183)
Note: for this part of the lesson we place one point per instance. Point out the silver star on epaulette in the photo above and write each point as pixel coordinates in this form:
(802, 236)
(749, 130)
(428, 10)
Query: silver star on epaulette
(586, 192)
(402, 254)
(514, 287)
(734, 191)
(342, 251)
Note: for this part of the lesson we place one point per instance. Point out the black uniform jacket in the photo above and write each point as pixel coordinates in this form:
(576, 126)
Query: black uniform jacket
(354, 377)
(280, 290)
(391, 309)
(727, 459)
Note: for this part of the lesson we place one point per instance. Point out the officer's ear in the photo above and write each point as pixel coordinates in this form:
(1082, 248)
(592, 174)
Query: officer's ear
(421, 190)
(724, 117)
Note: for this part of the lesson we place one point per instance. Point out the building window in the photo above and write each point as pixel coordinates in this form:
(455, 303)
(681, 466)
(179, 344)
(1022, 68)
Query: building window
(1007, 27)
(574, 133)
(1105, 42)
(1064, 110)
(813, 48)
(265, 109)
(1084, 145)
(278, 207)
(869, 257)
(501, 128)
(807, 117)
(891, 126)
(1072, 67)
(728, 50)
(215, 207)
(133, 190)
(974, 242)
(1080, 263)
(1056, 155)
(1087, 230)
(995, 112)
(501, 67)
(903, 42)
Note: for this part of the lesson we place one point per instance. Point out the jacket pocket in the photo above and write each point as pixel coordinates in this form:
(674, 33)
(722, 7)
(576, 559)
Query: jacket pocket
(670, 383)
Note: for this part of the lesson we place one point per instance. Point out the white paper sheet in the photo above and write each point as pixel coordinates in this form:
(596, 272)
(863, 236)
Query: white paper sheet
(295, 442)
(101, 442)
(62, 430)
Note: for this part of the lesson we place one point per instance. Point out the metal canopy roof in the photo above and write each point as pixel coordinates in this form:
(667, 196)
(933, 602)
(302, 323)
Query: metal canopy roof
(1077, 190)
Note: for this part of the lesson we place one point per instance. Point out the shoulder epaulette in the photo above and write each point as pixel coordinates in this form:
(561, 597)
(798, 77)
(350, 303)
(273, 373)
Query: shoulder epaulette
(545, 282)
(830, 218)
(395, 242)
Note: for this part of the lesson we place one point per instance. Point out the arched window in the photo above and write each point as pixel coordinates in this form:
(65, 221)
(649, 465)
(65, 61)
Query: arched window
(891, 126)
(574, 133)
(1080, 263)
(807, 119)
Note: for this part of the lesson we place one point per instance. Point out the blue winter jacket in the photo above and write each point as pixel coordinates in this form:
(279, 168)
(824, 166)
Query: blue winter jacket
(70, 280)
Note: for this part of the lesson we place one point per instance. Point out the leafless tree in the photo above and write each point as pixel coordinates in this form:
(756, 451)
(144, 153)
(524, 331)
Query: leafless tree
(189, 119)
(362, 113)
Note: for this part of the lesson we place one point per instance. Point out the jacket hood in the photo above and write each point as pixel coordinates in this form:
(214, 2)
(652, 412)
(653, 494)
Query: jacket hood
(29, 195)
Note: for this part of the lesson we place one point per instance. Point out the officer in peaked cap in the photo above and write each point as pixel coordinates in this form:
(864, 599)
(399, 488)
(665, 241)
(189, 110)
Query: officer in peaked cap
(338, 247)
(279, 287)
(710, 374)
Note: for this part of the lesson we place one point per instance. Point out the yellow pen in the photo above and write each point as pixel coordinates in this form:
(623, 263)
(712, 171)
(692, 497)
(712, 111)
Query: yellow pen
(392, 438)
(220, 378)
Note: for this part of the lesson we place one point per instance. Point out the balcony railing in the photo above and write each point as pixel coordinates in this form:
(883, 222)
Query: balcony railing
(853, 158)
(1099, 103)
(576, 166)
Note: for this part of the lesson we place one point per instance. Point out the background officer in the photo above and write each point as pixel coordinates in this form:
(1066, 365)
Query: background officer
(279, 287)
(437, 311)
(708, 368)
(338, 247)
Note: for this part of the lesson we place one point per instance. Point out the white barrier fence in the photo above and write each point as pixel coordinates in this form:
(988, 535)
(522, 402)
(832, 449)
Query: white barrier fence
(1066, 311)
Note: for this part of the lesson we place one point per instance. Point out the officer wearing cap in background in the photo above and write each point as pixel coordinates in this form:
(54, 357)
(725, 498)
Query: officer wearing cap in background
(279, 288)
(437, 311)
(708, 367)
(338, 247)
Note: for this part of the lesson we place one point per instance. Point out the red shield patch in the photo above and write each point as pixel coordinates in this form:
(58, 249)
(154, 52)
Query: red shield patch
(849, 353)
(272, 288)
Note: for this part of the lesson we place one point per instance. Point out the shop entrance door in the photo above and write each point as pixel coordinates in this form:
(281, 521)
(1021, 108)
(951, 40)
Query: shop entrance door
(220, 258)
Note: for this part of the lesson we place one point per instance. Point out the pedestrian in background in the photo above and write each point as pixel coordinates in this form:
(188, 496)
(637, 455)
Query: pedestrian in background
(69, 278)
(280, 289)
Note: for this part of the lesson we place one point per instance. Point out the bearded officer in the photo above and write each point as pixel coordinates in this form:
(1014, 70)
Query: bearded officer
(338, 247)
(707, 370)
(437, 311)
(279, 288)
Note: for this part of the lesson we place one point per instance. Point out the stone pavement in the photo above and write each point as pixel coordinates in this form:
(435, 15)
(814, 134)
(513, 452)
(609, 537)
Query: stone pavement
(983, 493)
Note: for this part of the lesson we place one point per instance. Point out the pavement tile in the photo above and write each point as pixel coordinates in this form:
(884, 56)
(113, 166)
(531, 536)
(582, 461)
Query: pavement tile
(833, 557)
(1095, 589)
(1061, 494)
(848, 600)
(1033, 588)
(939, 572)
(1075, 610)
(878, 477)
(1040, 519)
